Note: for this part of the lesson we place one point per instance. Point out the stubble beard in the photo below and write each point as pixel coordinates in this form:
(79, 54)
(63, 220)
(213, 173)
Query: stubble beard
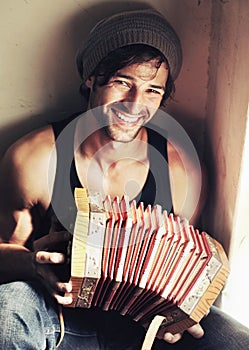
(116, 131)
(118, 134)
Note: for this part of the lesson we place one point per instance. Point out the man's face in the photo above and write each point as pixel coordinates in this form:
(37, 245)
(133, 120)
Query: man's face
(129, 99)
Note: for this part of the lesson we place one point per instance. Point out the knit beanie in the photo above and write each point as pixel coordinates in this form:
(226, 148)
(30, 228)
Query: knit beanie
(131, 27)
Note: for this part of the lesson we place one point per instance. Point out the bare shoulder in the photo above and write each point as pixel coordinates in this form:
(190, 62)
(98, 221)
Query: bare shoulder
(188, 181)
(26, 166)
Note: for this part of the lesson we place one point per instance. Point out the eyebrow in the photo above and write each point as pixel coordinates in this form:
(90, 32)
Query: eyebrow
(129, 77)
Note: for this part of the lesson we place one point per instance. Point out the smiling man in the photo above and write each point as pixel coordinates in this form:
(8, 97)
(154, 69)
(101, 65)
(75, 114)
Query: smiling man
(131, 97)
(128, 66)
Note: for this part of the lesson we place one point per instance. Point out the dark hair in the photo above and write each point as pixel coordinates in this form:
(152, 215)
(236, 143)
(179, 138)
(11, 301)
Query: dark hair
(125, 56)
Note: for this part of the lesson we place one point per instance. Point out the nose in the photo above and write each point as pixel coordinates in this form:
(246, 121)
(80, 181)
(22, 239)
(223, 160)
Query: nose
(133, 102)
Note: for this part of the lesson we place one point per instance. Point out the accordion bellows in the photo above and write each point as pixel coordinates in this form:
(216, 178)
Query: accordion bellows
(143, 262)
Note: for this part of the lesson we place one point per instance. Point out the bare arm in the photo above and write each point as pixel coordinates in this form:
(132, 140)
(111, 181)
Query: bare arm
(25, 195)
(188, 180)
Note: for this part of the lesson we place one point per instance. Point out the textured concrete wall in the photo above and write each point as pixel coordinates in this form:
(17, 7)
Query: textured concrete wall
(227, 146)
(227, 103)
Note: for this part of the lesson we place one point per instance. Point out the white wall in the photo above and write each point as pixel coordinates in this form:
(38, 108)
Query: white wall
(39, 38)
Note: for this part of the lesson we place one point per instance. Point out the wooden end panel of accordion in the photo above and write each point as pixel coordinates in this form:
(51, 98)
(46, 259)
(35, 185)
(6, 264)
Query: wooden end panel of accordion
(86, 252)
(215, 287)
(189, 313)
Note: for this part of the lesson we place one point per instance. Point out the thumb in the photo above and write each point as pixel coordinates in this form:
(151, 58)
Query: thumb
(196, 331)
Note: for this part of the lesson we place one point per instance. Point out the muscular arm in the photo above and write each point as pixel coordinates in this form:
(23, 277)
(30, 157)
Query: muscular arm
(24, 191)
(188, 182)
(26, 178)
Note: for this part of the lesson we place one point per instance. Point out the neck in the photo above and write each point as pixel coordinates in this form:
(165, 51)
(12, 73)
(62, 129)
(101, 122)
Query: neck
(104, 151)
(109, 166)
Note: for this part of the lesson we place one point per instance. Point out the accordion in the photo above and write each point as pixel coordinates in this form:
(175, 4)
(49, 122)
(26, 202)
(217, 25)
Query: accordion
(143, 262)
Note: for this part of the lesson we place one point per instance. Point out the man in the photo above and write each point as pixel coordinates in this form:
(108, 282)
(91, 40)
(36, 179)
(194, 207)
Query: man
(128, 66)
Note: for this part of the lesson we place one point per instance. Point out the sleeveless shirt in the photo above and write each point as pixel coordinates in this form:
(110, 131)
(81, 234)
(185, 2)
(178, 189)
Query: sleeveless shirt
(156, 189)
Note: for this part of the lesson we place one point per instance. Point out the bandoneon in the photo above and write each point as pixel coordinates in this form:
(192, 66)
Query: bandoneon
(143, 262)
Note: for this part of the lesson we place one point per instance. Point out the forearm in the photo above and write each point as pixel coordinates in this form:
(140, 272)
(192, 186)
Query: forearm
(16, 263)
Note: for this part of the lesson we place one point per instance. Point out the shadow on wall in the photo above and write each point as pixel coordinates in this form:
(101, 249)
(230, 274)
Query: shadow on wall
(57, 95)
(59, 71)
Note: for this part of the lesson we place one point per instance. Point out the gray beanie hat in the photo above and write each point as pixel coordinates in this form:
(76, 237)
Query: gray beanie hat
(131, 27)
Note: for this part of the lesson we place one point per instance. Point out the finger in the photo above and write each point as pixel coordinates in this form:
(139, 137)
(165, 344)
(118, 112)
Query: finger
(64, 300)
(43, 257)
(196, 331)
(172, 338)
(64, 287)
(59, 290)
(52, 239)
(58, 237)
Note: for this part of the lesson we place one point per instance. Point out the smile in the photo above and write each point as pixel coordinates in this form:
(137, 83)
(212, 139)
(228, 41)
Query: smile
(125, 118)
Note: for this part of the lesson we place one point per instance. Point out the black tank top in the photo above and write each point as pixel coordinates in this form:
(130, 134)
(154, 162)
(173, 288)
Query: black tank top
(156, 189)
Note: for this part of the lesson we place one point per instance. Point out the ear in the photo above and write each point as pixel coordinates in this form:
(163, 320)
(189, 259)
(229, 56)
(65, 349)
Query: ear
(89, 82)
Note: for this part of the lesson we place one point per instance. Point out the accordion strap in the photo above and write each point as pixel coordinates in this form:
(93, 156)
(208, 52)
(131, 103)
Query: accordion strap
(62, 326)
(152, 332)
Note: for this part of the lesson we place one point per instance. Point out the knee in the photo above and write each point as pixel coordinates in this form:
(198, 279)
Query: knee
(23, 315)
(18, 296)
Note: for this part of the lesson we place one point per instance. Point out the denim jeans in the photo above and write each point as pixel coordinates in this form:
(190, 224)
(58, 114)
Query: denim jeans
(29, 321)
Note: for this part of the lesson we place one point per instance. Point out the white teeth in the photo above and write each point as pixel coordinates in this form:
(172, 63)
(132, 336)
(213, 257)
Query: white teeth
(126, 119)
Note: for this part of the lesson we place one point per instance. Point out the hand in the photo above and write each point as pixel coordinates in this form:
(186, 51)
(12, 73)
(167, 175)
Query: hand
(196, 331)
(49, 260)
(43, 261)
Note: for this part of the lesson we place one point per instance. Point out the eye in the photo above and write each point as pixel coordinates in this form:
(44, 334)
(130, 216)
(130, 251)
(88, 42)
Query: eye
(156, 92)
(121, 82)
